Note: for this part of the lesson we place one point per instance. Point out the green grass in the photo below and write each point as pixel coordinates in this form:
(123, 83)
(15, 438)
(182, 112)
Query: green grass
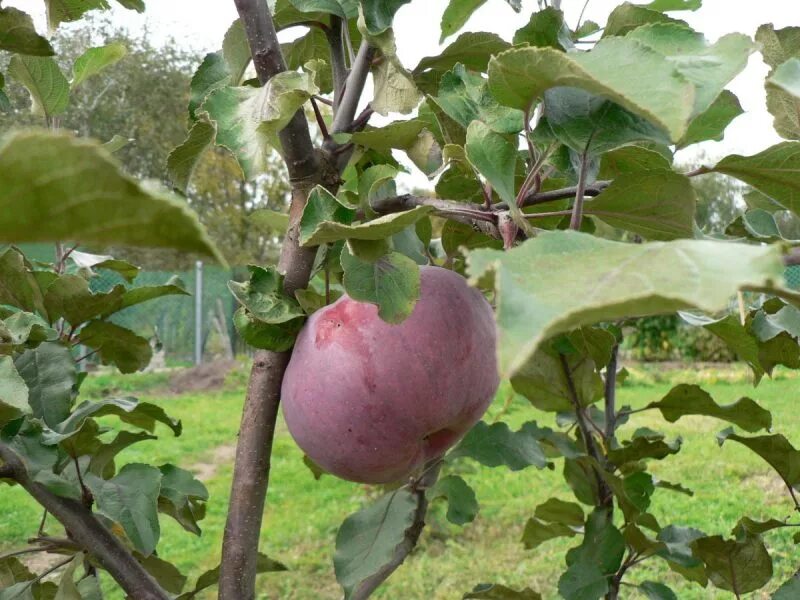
(303, 515)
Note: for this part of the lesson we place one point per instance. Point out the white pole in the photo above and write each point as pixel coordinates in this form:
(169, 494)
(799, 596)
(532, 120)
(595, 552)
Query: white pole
(198, 312)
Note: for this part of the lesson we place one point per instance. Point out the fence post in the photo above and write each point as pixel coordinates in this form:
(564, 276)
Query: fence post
(198, 312)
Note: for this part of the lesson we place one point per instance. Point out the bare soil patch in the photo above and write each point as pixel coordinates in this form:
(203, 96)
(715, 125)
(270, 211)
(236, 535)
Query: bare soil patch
(207, 376)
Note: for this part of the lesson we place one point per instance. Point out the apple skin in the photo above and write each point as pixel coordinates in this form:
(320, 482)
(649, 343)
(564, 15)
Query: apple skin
(373, 402)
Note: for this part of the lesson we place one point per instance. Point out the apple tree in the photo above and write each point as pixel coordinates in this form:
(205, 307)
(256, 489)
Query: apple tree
(542, 148)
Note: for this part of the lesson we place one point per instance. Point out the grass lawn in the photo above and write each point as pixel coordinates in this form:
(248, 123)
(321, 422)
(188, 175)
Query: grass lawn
(303, 515)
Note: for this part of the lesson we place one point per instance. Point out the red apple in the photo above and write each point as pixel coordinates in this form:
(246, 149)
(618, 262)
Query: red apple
(373, 402)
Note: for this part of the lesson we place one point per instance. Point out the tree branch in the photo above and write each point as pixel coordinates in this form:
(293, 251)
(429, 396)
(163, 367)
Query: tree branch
(89, 533)
(426, 481)
(611, 395)
(580, 194)
(256, 433)
(353, 88)
(535, 198)
(336, 47)
(463, 212)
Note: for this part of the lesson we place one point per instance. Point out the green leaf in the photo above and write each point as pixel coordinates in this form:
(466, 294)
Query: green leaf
(264, 564)
(184, 158)
(61, 11)
(711, 124)
(391, 282)
(345, 9)
(368, 539)
(456, 15)
(13, 392)
(94, 60)
(766, 326)
(411, 136)
(666, 5)
(166, 574)
(117, 345)
(642, 448)
(69, 297)
(263, 296)
(495, 591)
(67, 590)
(182, 497)
(709, 68)
(319, 230)
(658, 205)
(394, 87)
(129, 410)
(379, 14)
(248, 119)
(38, 170)
(537, 532)
(546, 29)
(102, 460)
(268, 336)
(591, 280)
(145, 293)
(543, 382)
(685, 399)
(789, 590)
(775, 449)
(495, 157)
(464, 96)
(588, 123)
(632, 159)
(46, 84)
(462, 506)
(657, 591)
(24, 328)
(739, 566)
(18, 285)
(472, 49)
(270, 221)
(323, 210)
(236, 52)
(86, 261)
(623, 70)
(775, 172)
(211, 75)
(626, 17)
(603, 545)
(131, 499)
(49, 372)
(496, 445)
(783, 96)
(559, 511)
(18, 34)
(778, 47)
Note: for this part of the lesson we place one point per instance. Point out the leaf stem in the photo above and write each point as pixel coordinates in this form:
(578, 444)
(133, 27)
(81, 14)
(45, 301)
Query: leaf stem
(577, 208)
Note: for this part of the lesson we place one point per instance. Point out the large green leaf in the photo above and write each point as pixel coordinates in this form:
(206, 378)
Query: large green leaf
(774, 449)
(775, 172)
(787, 77)
(711, 124)
(626, 17)
(496, 591)
(248, 119)
(472, 49)
(685, 399)
(588, 123)
(13, 392)
(69, 297)
(57, 187)
(778, 47)
(665, 5)
(367, 539)
(709, 68)
(394, 87)
(545, 29)
(131, 499)
(623, 70)
(537, 532)
(412, 136)
(277, 337)
(18, 34)
(117, 345)
(212, 74)
(49, 372)
(94, 60)
(46, 84)
(137, 295)
(586, 280)
(495, 445)
(789, 590)
(345, 9)
(464, 96)
(391, 282)
(658, 205)
(182, 497)
(18, 285)
(739, 566)
(379, 14)
(262, 295)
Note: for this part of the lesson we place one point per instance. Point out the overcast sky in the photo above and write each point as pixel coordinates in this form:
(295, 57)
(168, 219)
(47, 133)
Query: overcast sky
(201, 25)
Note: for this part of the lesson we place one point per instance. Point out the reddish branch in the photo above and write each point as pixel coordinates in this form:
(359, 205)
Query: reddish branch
(87, 532)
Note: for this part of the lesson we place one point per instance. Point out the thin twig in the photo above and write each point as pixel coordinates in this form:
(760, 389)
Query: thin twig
(320, 120)
(610, 393)
(580, 193)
